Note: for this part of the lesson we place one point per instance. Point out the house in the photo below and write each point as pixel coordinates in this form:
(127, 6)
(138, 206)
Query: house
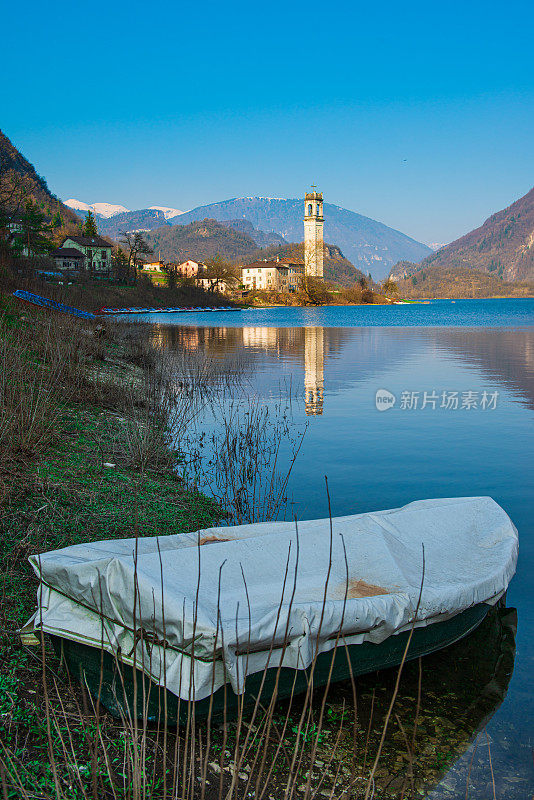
(276, 276)
(190, 268)
(13, 234)
(222, 285)
(97, 252)
(69, 260)
(153, 266)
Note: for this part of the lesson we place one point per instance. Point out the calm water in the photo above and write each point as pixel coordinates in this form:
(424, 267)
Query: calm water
(332, 361)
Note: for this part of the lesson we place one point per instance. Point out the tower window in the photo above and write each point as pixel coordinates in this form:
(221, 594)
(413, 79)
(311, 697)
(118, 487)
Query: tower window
(309, 209)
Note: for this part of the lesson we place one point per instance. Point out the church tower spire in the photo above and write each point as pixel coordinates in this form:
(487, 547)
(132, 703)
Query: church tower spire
(313, 233)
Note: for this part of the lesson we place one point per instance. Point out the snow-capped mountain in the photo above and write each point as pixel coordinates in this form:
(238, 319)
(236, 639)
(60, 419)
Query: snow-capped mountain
(108, 210)
(370, 245)
(104, 210)
(168, 213)
(76, 205)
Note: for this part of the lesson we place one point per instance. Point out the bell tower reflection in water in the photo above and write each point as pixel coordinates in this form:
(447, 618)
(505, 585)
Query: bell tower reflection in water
(313, 370)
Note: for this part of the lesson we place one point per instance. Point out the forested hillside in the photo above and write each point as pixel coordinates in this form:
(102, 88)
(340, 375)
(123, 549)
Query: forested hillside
(20, 183)
(200, 241)
(503, 247)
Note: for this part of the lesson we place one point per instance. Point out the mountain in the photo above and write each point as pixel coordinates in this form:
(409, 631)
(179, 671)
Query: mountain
(144, 220)
(104, 210)
(370, 245)
(339, 269)
(502, 247)
(113, 219)
(169, 213)
(260, 237)
(201, 241)
(457, 282)
(209, 238)
(20, 181)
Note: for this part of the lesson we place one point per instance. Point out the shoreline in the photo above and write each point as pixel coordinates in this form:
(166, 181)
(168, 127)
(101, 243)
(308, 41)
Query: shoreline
(81, 482)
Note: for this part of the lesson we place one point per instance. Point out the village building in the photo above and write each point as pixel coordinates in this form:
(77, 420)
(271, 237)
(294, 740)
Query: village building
(225, 285)
(97, 253)
(278, 276)
(190, 268)
(69, 261)
(153, 266)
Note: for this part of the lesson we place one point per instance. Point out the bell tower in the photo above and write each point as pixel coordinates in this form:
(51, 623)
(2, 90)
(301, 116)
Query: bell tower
(313, 234)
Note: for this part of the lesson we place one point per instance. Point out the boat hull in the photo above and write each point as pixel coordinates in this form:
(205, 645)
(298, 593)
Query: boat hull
(99, 671)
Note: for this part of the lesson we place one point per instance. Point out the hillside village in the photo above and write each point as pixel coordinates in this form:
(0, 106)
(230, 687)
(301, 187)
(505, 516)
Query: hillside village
(45, 240)
(44, 243)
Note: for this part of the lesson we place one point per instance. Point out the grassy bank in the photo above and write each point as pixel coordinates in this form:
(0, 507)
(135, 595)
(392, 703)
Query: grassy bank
(93, 295)
(75, 402)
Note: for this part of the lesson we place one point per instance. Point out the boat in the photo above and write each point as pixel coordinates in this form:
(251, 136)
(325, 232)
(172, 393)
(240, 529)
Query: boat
(52, 305)
(228, 614)
(172, 310)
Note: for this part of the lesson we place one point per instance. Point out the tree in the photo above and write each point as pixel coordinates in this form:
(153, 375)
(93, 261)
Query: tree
(89, 226)
(171, 280)
(33, 236)
(135, 245)
(14, 190)
(14, 193)
(315, 291)
(218, 270)
(390, 287)
(120, 265)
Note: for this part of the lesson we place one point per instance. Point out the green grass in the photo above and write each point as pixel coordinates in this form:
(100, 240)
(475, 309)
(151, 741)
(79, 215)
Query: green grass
(54, 497)
(66, 496)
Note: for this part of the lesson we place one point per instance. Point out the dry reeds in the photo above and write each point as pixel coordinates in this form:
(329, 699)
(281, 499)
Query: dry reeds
(41, 369)
(249, 459)
(263, 749)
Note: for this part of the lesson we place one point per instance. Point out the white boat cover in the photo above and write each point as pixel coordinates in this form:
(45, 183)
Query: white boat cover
(200, 609)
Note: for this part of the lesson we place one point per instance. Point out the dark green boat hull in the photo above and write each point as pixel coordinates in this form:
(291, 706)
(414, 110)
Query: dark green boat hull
(99, 671)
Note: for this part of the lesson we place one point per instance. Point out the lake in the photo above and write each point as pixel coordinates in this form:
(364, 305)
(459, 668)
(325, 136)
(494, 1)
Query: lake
(400, 403)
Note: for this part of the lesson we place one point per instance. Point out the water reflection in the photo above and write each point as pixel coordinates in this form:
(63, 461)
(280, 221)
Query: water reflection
(357, 354)
(382, 460)
(313, 370)
(460, 689)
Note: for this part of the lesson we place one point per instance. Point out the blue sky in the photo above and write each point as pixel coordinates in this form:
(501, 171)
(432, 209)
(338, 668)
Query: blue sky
(420, 115)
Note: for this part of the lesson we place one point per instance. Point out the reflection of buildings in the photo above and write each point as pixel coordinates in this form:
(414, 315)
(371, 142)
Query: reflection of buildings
(313, 370)
(308, 346)
(357, 354)
(262, 338)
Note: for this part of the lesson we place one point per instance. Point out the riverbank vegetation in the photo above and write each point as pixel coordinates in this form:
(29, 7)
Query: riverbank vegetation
(315, 292)
(435, 282)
